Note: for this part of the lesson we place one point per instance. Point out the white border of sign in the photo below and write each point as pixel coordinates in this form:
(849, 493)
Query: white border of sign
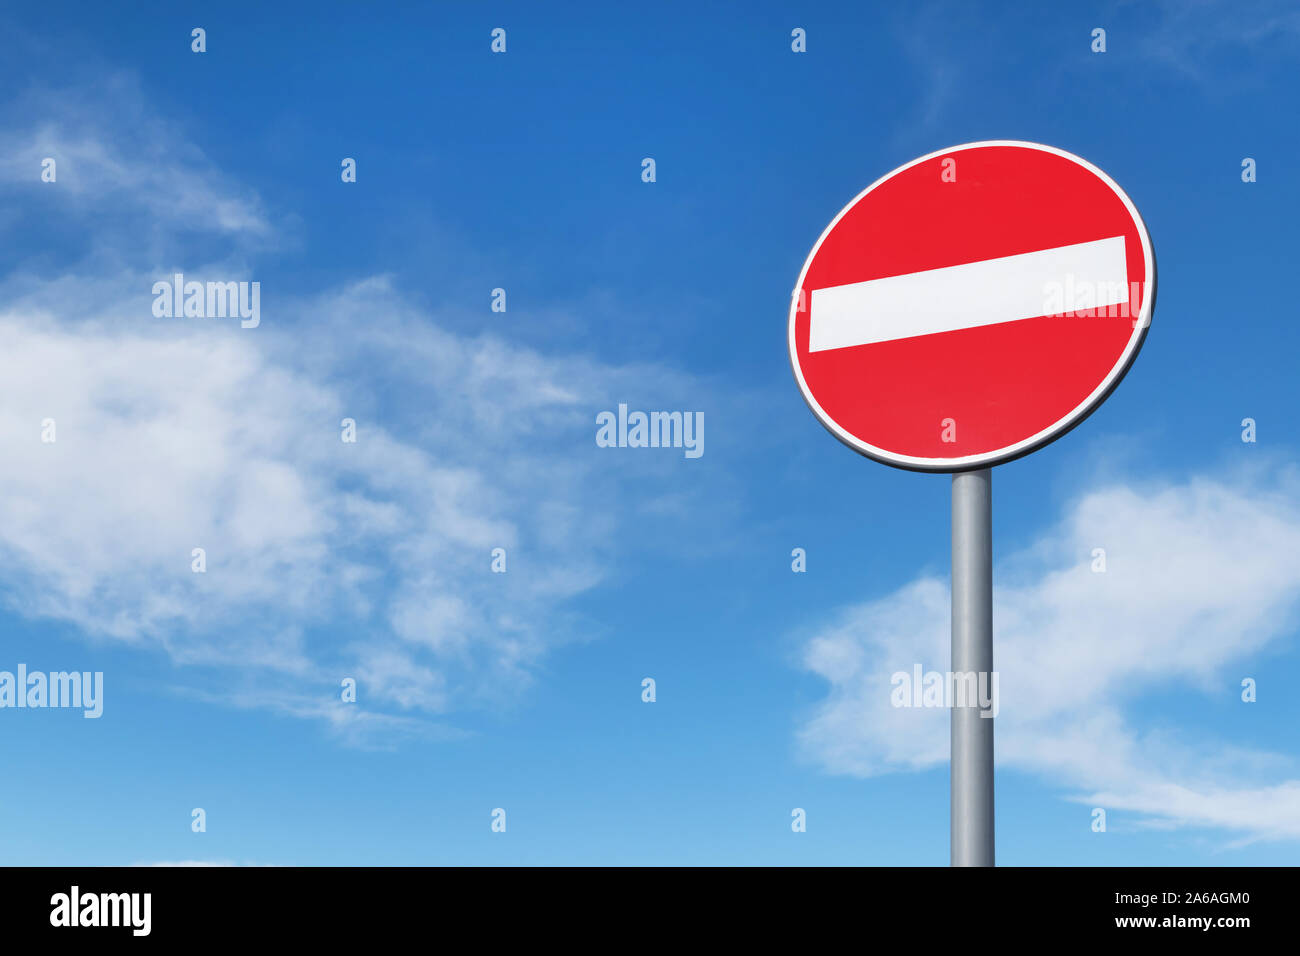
(1053, 431)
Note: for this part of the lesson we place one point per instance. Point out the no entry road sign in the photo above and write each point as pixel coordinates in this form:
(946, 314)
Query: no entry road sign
(971, 306)
(962, 311)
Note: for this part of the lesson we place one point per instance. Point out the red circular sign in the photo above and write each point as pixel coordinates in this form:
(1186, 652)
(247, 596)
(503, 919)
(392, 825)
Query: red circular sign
(972, 306)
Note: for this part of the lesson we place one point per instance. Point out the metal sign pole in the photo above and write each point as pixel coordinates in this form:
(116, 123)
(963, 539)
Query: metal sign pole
(972, 652)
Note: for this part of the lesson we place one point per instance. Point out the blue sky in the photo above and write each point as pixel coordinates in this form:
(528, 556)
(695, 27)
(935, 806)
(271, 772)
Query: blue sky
(476, 429)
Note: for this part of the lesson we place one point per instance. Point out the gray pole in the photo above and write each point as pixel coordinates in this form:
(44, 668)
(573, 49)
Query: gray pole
(972, 651)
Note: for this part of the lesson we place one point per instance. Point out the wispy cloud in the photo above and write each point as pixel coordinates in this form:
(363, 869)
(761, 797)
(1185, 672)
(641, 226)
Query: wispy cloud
(113, 154)
(1191, 37)
(170, 438)
(324, 559)
(201, 863)
(1200, 576)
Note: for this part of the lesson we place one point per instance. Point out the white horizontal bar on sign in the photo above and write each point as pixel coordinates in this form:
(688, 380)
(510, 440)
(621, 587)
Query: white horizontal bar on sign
(966, 296)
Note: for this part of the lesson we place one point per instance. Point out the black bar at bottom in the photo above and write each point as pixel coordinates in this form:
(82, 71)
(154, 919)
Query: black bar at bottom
(637, 909)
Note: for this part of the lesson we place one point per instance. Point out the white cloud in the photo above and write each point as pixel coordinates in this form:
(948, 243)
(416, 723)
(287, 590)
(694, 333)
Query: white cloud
(114, 155)
(193, 863)
(1200, 575)
(201, 863)
(324, 559)
(172, 437)
(1191, 36)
